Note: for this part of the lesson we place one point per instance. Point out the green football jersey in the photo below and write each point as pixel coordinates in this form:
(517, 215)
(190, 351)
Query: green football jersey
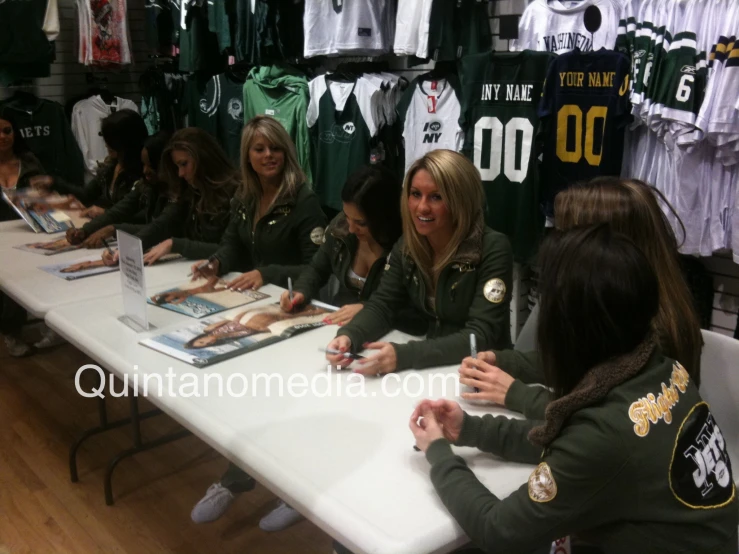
(500, 97)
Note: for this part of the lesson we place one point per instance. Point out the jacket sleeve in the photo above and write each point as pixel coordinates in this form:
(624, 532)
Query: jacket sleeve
(169, 224)
(587, 477)
(531, 401)
(376, 318)
(194, 249)
(231, 253)
(311, 218)
(525, 366)
(489, 322)
(88, 193)
(502, 436)
(316, 274)
(126, 211)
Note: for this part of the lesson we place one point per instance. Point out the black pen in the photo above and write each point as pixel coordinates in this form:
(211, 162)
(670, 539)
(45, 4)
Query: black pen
(105, 242)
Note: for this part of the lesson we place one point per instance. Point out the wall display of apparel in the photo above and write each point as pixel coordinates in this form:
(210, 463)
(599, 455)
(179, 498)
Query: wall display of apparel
(27, 31)
(87, 117)
(47, 132)
(162, 94)
(686, 134)
(103, 31)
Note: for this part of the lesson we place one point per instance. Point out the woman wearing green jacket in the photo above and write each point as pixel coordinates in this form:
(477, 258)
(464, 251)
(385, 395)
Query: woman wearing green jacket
(201, 181)
(631, 207)
(356, 247)
(447, 265)
(630, 459)
(276, 223)
(138, 208)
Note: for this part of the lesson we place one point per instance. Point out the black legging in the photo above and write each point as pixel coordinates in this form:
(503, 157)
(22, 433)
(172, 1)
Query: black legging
(12, 315)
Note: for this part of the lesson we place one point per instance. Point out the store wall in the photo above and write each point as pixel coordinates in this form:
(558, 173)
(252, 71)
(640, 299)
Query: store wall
(69, 79)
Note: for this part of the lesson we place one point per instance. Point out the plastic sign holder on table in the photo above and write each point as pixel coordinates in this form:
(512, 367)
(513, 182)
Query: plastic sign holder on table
(133, 283)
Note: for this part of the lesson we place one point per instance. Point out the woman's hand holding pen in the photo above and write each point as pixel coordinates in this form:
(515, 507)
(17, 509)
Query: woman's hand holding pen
(75, 235)
(205, 269)
(110, 258)
(384, 361)
(436, 419)
(340, 344)
(491, 382)
(287, 305)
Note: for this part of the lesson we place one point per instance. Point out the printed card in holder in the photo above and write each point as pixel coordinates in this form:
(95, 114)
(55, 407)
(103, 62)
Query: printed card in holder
(133, 284)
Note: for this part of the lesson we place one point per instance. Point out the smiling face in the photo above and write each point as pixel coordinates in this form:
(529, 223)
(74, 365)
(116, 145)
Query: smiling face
(267, 160)
(185, 165)
(428, 211)
(7, 137)
(358, 225)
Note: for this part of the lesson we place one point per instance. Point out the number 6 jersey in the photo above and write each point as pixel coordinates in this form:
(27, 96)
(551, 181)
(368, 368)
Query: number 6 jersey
(584, 112)
(500, 97)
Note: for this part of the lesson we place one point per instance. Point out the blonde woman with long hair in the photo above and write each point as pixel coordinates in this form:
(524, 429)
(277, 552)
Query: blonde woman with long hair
(276, 227)
(448, 265)
(276, 219)
(631, 207)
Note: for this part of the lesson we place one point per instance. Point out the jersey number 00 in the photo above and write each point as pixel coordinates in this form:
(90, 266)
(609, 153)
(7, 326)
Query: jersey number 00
(508, 146)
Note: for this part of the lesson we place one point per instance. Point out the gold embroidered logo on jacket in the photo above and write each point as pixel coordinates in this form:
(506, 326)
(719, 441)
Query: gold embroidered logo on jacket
(651, 409)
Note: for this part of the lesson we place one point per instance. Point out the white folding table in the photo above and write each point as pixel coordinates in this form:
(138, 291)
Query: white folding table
(345, 462)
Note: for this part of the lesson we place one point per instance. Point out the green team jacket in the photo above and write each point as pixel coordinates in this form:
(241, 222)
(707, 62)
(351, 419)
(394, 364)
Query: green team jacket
(335, 257)
(641, 470)
(284, 239)
(473, 295)
(194, 236)
(134, 211)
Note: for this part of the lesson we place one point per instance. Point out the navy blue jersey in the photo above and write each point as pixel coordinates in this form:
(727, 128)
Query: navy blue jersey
(584, 111)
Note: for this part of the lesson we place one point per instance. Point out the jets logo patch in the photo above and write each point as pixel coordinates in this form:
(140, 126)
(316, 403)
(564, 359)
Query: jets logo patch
(700, 470)
(317, 236)
(494, 291)
(235, 108)
(349, 128)
(542, 487)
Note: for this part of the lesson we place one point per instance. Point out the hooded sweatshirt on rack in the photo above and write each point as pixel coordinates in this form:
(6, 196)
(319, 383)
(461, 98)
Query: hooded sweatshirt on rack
(282, 93)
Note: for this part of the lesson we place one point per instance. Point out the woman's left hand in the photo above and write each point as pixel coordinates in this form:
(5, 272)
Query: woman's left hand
(492, 382)
(92, 212)
(249, 280)
(426, 429)
(385, 361)
(344, 315)
(161, 249)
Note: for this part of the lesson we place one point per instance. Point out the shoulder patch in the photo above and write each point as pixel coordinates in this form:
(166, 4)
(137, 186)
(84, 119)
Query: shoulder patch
(494, 291)
(700, 469)
(317, 236)
(542, 487)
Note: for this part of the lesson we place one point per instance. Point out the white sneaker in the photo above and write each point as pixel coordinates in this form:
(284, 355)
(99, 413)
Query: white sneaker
(48, 339)
(17, 347)
(213, 505)
(280, 518)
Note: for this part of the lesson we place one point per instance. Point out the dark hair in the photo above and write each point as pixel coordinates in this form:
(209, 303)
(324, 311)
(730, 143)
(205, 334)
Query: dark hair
(20, 146)
(125, 132)
(376, 192)
(599, 296)
(155, 146)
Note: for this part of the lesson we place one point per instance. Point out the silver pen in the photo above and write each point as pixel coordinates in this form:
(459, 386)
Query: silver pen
(473, 351)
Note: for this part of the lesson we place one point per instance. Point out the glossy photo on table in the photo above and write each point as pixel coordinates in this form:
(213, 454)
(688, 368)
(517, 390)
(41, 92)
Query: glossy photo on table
(217, 339)
(49, 247)
(50, 213)
(204, 297)
(77, 269)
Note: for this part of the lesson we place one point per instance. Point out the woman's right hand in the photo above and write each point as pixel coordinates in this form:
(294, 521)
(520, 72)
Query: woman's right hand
(343, 344)
(75, 235)
(41, 182)
(287, 305)
(448, 414)
(110, 259)
(210, 270)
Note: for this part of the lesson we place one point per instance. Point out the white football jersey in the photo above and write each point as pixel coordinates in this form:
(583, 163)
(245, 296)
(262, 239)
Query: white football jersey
(559, 26)
(429, 111)
(346, 27)
(412, 28)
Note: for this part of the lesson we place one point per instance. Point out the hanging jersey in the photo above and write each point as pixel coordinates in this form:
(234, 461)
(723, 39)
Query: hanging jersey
(585, 110)
(429, 112)
(342, 118)
(412, 28)
(230, 114)
(559, 26)
(500, 95)
(346, 27)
